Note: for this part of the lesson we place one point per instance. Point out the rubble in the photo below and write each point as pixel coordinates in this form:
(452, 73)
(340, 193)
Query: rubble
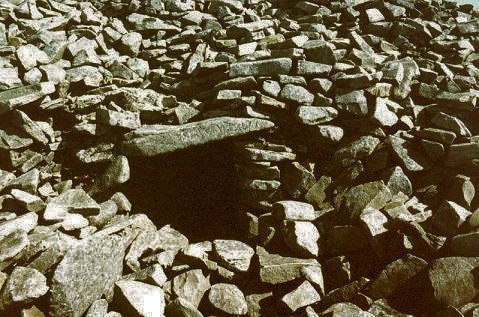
(345, 133)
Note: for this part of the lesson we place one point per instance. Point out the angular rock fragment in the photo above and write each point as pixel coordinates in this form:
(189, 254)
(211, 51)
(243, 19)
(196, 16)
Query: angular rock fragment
(182, 308)
(234, 255)
(72, 200)
(357, 149)
(86, 272)
(296, 94)
(26, 222)
(22, 286)
(30, 55)
(276, 269)
(29, 201)
(13, 98)
(449, 217)
(117, 173)
(154, 140)
(353, 102)
(296, 179)
(315, 115)
(294, 210)
(12, 244)
(302, 296)
(261, 68)
(394, 275)
(408, 153)
(228, 298)
(141, 299)
(374, 223)
(373, 194)
(302, 237)
(191, 286)
(452, 280)
(122, 119)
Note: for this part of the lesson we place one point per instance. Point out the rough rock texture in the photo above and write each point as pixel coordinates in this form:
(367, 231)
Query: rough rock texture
(86, 272)
(260, 158)
(154, 140)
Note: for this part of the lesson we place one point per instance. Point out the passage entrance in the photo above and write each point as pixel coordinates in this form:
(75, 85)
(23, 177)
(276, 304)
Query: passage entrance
(194, 190)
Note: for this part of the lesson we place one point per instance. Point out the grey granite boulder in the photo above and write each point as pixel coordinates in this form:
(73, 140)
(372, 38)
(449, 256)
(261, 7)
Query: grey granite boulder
(87, 271)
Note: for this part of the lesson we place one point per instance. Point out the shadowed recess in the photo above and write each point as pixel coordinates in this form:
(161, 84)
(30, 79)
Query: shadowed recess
(193, 190)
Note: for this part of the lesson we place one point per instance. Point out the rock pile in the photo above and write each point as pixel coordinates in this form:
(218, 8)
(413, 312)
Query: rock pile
(355, 131)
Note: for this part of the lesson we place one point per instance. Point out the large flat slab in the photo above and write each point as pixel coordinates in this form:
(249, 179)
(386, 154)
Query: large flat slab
(152, 140)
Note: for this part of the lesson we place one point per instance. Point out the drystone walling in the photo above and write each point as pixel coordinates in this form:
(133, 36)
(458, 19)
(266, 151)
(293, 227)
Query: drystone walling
(239, 157)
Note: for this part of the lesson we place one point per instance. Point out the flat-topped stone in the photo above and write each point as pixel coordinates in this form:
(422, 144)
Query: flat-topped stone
(158, 139)
(267, 67)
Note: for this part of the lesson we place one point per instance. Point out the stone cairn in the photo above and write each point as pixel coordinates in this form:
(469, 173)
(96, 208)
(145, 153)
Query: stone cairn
(355, 128)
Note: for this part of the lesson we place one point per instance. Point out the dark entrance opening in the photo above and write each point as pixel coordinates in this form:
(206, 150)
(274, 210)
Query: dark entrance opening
(194, 190)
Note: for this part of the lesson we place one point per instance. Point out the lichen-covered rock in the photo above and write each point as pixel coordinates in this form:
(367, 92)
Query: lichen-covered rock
(87, 271)
(228, 299)
(154, 140)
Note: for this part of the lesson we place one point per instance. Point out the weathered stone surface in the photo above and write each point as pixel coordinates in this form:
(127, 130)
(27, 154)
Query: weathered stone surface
(297, 179)
(311, 115)
(353, 102)
(374, 221)
(22, 286)
(449, 217)
(453, 280)
(28, 201)
(141, 299)
(466, 244)
(364, 109)
(301, 236)
(373, 194)
(409, 155)
(228, 298)
(154, 140)
(294, 210)
(118, 172)
(182, 308)
(345, 309)
(357, 149)
(9, 78)
(87, 271)
(234, 255)
(276, 269)
(70, 201)
(296, 94)
(302, 296)
(13, 98)
(26, 222)
(191, 286)
(30, 55)
(99, 308)
(122, 119)
(261, 68)
(12, 244)
(307, 68)
(394, 275)
(397, 181)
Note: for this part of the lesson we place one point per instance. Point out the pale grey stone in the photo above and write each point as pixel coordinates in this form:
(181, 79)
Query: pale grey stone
(141, 299)
(228, 298)
(234, 255)
(158, 139)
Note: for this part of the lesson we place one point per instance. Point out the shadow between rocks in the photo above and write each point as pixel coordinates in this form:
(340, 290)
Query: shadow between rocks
(194, 190)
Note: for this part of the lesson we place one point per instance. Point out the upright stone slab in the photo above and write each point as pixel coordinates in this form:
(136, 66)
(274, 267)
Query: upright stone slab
(159, 139)
(86, 272)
